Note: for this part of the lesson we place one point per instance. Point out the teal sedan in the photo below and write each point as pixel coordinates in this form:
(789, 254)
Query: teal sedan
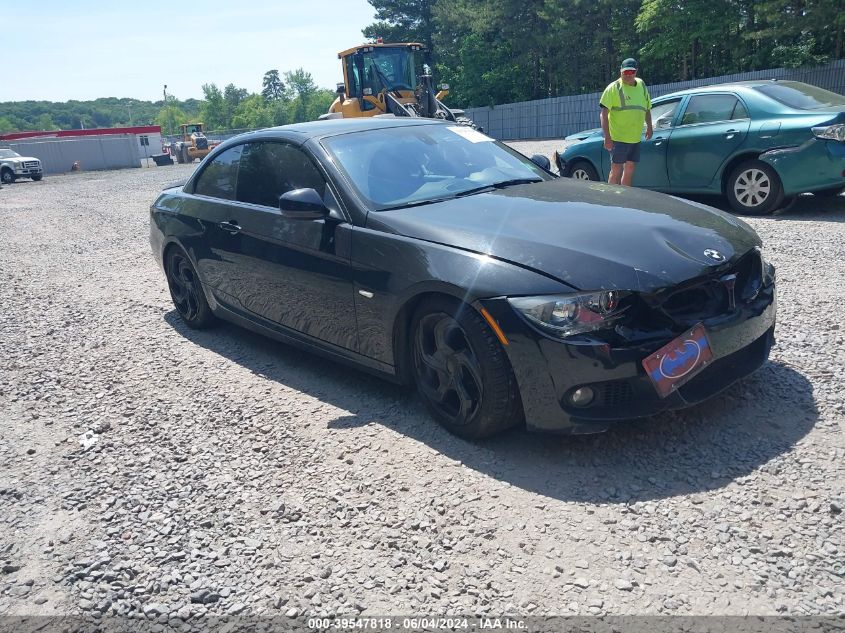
(759, 143)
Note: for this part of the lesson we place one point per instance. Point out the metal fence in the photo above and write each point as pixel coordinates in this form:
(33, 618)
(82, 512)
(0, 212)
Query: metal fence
(560, 116)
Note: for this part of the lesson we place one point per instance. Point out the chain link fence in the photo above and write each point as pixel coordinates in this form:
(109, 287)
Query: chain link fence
(560, 116)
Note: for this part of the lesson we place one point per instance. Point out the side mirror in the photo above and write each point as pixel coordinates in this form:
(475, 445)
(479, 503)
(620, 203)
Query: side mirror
(542, 161)
(302, 204)
(340, 90)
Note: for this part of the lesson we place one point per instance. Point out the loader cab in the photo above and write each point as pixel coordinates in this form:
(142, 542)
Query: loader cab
(371, 69)
(191, 128)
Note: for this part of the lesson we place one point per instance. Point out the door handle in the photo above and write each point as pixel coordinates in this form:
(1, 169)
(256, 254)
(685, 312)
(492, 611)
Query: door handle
(730, 134)
(230, 227)
(659, 140)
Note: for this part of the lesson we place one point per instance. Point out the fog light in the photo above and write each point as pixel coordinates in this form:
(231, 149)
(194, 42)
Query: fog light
(582, 396)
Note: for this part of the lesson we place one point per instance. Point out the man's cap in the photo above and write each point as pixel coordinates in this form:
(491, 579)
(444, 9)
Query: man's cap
(629, 64)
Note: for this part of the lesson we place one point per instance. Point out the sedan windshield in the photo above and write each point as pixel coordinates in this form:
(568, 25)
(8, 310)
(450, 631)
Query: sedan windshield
(403, 166)
(801, 96)
(7, 153)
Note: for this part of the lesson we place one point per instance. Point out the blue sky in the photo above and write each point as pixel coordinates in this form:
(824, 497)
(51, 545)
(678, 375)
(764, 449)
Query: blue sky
(84, 49)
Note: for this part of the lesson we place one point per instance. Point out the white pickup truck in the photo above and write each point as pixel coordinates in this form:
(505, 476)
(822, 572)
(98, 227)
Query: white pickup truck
(14, 166)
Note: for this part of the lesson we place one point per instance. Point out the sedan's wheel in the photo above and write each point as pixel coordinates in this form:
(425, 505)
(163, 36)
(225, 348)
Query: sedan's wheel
(186, 292)
(754, 188)
(462, 372)
(582, 170)
(7, 176)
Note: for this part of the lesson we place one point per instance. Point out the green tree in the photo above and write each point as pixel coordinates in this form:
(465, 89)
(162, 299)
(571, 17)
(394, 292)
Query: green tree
(273, 88)
(45, 122)
(251, 113)
(213, 109)
(403, 21)
(7, 126)
(170, 117)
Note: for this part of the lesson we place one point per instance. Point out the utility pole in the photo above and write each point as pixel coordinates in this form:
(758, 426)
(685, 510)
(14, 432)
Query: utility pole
(129, 107)
(165, 94)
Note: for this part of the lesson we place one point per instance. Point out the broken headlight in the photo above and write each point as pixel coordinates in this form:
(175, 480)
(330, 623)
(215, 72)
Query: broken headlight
(567, 315)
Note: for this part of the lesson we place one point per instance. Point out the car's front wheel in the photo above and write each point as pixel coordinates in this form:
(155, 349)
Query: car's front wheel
(37, 177)
(582, 170)
(7, 176)
(461, 370)
(754, 188)
(186, 291)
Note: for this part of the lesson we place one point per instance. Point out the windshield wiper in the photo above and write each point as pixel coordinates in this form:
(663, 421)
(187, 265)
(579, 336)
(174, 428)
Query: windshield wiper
(468, 192)
(418, 203)
(497, 185)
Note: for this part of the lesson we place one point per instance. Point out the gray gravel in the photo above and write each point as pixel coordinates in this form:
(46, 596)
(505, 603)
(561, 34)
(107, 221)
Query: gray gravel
(153, 471)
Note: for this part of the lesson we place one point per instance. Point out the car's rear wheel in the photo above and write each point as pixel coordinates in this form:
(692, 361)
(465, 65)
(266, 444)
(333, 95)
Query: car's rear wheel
(754, 188)
(829, 193)
(186, 291)
(461, 370)
(582, 170)
(7, 176)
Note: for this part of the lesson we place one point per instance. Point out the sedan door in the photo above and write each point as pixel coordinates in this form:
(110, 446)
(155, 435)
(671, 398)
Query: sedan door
(712, 127)
(294, 272)
(651, 171)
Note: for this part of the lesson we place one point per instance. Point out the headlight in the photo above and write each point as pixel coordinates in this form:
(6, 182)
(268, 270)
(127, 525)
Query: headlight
(567, 315)
(831, 132)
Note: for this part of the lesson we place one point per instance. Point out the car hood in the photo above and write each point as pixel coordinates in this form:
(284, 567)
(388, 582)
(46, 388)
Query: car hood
(580, 136)
(19, 159)
(589, 235)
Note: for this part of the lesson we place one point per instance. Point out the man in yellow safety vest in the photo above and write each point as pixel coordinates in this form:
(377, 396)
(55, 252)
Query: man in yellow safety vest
(625, 107)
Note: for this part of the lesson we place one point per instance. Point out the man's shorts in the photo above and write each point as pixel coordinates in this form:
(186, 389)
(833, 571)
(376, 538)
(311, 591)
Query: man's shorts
(624, 152)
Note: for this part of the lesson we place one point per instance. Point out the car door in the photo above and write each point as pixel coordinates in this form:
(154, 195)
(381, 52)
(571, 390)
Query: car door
(651, 171)
(293, 272)
(216, 247)
(711, 128)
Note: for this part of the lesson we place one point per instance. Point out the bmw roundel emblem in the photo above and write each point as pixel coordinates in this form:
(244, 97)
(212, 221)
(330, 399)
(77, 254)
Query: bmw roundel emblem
(714, 255)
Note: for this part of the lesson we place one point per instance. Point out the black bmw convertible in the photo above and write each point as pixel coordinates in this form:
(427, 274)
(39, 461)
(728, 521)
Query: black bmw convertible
(430, 254)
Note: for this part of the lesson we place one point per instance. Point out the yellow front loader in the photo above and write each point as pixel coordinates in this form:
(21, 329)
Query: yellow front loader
(392, 79)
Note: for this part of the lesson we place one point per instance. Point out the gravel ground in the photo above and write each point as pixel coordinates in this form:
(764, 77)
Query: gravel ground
(153, 471)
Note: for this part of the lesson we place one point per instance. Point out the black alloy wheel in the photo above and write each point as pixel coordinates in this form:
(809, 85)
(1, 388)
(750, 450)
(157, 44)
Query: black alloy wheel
(186, 292)
(37, 177)
(462, 372)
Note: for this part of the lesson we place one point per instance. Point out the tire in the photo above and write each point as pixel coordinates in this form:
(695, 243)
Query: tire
(461, 370)
(186, 292)
(829, 193)
(37, 177)
(7, 176)
(582, 170)
(754, 188)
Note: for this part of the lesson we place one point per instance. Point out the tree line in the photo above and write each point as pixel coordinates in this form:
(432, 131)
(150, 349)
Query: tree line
(502, 51)
(290, 97)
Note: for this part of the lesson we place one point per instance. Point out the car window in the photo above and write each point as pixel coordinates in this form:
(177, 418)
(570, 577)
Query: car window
(393, 167)
(220, 176)
(662, 114)
(270, 169)
(796, 94)
(709, 108)
(740, 112)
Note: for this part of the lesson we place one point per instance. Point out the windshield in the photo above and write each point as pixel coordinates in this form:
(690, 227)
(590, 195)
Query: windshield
(7, 153)
(800, 95)
(395, 167)
(390, 68)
